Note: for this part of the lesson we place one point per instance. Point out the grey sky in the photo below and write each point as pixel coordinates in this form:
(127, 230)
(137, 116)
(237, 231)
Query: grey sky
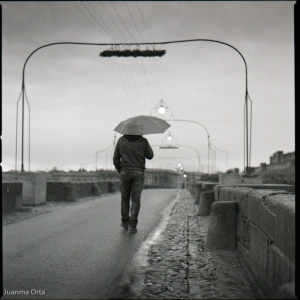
(77, 98)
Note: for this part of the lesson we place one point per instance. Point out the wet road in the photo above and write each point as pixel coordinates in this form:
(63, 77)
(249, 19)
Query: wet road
(77, 252)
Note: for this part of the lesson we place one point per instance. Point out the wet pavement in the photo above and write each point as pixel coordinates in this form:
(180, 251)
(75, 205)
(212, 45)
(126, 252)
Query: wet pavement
(176, 265)
(172, 263)
(30, 211)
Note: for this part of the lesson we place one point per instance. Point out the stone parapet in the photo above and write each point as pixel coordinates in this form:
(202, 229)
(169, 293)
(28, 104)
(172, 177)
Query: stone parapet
(34, 186)
(11, 196)
(265, 233)
(71, 191)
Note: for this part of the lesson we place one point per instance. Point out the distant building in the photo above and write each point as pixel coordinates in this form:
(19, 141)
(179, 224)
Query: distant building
(280, 170)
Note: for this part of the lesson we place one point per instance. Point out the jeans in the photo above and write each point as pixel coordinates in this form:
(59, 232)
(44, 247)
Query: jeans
(131, 185)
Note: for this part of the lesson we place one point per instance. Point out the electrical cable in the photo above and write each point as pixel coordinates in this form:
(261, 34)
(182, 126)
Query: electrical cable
(139, 102)
(90, 20)
(111, 37)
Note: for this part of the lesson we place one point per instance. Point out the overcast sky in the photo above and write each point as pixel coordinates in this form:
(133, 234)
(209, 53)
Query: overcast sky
(77, 98)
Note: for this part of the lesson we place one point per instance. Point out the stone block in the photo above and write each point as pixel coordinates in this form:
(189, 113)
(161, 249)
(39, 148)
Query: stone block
(104, 186)
(230, 179)
(281, 270)
(267, 212)
(117, 184)
(259, 278)
(224, 193)
(34, 186)
(205, 203)
(282, 187)
(194, 190)
(197, 195)
(221, 232)
(259, 248)
(261, 212)
(83, 189)
(243, 234)
(216, 191)
(69, 192)
(11, 196)
(208, 186)
(242, 201)
(96, 190)
(112, 187)
(285, 235)
(55, 191)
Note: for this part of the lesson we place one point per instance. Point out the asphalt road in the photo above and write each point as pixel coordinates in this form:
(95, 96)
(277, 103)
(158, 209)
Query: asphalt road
(77, 252)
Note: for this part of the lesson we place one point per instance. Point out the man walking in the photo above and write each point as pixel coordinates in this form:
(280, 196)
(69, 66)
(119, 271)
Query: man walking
(129, 160)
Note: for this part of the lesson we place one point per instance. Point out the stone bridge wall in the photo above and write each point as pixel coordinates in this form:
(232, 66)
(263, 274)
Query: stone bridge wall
(11, 196)
(71, 191)
(265, 233)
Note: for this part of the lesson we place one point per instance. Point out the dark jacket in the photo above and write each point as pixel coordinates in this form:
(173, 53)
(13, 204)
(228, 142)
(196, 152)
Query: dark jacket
(130, 153)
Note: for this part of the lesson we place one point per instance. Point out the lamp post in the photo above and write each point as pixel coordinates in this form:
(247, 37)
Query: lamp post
(163, 110)
(112, 144)
(247, 128)
(171, 147)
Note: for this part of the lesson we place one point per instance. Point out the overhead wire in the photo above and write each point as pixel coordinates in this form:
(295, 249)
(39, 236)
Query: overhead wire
(116, 60)
(137, 96)
(94, 18)
(92, 13)
(132, 37)
(150, 94)
(110, 37)
(87, 17)
(110, 17)
(143, 19)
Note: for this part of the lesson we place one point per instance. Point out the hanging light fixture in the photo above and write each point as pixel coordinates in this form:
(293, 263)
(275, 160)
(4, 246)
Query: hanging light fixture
(162, 110)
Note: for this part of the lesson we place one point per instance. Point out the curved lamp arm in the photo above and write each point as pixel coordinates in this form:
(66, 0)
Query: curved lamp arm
(103, 151)
(145, 43)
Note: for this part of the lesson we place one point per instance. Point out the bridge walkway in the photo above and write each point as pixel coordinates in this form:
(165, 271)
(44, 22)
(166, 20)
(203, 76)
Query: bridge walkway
(178, 266)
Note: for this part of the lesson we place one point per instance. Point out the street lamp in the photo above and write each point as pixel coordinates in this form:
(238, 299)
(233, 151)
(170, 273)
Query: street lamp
(247, 127)
(172, 147)
(161, 110)
(161, 107)
(167, 110)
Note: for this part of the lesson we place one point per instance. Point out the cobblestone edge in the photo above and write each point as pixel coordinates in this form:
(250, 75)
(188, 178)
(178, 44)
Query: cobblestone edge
(176, 265)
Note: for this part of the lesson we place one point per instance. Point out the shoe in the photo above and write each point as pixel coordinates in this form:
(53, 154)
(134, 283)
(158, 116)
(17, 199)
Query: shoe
(125, 226)
(132, 230)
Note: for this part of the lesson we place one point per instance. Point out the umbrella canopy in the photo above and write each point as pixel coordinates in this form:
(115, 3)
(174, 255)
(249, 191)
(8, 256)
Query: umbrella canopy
(142, 125)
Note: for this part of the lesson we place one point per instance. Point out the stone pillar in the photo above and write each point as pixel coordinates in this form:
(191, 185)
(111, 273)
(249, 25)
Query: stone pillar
(222, 226)
(112, 187)
(96, 190)
(11, 196)
(34, 186)
(69, 192)
(194, 190)
(197, 195)
(206, 201)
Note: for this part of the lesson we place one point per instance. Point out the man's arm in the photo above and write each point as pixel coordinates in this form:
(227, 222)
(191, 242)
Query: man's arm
(117, 157)
(149, 152)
